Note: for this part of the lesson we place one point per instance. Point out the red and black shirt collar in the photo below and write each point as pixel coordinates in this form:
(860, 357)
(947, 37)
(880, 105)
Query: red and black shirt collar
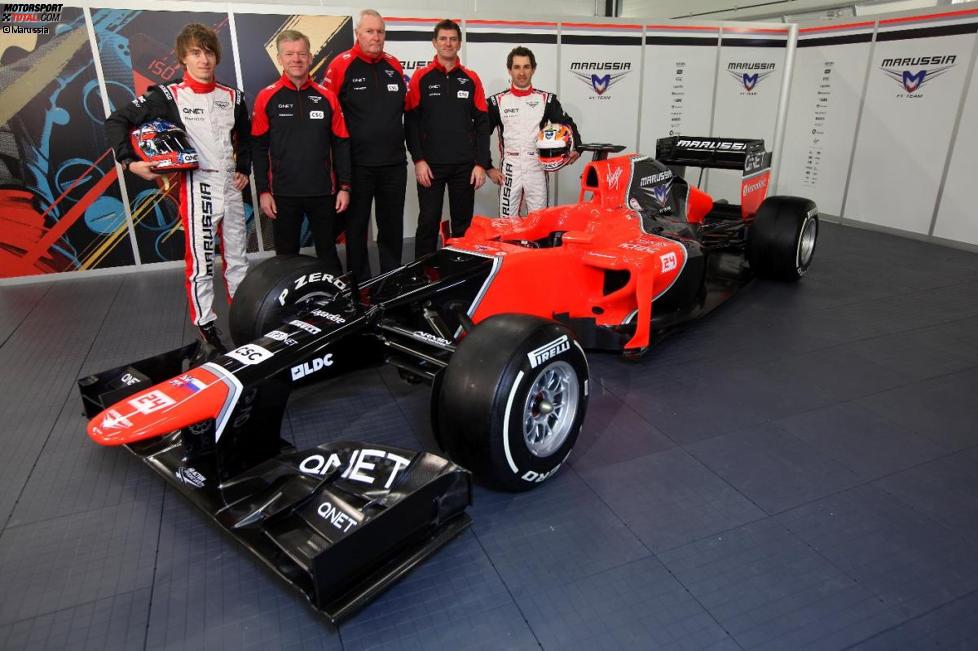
(285, 81)
(198, 86)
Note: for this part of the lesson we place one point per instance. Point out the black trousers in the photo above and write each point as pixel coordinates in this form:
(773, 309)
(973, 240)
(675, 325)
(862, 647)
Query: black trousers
(287, 227)
(461, 201)
(385, 184)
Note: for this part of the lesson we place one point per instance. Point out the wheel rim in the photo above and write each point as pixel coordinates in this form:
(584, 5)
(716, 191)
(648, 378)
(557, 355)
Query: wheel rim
(806, 243)
(550, 409)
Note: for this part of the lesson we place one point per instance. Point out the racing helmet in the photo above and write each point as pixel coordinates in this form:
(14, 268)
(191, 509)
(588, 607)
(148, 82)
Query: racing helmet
(165, 145)
(554, 146)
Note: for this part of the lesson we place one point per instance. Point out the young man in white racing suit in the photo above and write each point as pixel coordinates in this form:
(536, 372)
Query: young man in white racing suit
(218, 127)
(519, 113)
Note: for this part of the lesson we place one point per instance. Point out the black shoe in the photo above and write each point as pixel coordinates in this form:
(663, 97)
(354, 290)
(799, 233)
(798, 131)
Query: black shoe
(211, 337)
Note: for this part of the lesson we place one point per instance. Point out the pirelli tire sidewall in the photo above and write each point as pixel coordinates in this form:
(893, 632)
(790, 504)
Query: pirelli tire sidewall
(777, 245)
(483, 397)
(271, 291)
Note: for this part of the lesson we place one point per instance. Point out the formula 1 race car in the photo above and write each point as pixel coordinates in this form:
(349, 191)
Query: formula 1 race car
(497, 322)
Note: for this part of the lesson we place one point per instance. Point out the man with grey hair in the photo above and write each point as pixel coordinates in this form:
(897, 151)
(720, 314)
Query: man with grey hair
(371, 88)
(300, 142)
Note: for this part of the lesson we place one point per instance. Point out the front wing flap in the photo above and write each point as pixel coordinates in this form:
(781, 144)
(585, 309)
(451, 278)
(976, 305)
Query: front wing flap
(339, 522)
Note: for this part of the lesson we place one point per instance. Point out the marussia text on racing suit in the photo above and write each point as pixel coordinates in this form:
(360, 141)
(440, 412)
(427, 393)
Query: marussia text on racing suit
(519, 114)
(218, 126)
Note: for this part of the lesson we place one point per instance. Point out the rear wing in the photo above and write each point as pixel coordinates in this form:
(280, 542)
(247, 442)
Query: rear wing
(746, 155)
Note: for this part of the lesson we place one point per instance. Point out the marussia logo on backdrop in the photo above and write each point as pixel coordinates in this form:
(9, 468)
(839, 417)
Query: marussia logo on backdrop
(600, 83)
(902, 71)
(749, 75)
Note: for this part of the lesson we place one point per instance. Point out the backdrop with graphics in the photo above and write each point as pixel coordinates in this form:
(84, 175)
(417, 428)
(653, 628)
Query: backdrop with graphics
(875, 106)
(749, 76)
(136, 49)
(600, 77)
(488, 44)
(917, 75)
(256, 34)
(60, 207)
(827, 86)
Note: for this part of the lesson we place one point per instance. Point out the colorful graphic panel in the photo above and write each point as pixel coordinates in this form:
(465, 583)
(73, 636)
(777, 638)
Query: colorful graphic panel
(60, 206)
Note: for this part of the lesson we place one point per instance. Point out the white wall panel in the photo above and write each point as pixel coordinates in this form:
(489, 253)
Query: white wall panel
(826, 90)
(749, 80)
(957, 218)
(678, 82)
(488, 44)
(600, 75)
(918, 74)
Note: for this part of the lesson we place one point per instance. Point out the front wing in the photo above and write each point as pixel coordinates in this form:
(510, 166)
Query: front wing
(338, 522)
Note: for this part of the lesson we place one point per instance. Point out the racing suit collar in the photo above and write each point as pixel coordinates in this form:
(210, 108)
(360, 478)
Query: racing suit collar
(520, 92)
(288, 83)
(366, 57)
(198, 86)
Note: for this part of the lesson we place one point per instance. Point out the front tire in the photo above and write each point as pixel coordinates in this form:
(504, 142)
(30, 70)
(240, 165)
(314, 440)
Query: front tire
(272, 289)
(781, 243)
(511, 402)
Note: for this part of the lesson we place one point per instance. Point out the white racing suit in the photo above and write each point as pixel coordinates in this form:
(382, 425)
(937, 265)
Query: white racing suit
(218, 126)
(519, 115)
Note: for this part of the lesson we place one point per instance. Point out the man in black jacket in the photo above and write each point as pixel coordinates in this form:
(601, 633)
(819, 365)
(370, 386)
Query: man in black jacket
(300, 142)
(216, 122)
(370, 86)
(448, 136)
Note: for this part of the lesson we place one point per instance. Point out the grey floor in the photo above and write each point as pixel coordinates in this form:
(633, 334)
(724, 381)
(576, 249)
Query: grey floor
(799, 470)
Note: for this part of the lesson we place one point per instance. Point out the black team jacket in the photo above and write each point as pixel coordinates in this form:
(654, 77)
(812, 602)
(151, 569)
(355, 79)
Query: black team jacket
(372, 93)
(300, 141)
(447, 120)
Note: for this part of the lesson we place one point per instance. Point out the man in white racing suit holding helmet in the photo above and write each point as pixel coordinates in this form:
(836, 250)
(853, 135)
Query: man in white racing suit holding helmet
(217, 123)
(519, 112)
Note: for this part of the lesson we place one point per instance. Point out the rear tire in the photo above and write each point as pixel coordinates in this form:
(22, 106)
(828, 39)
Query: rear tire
(781, 242)
(511, 403)
(272, 289)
